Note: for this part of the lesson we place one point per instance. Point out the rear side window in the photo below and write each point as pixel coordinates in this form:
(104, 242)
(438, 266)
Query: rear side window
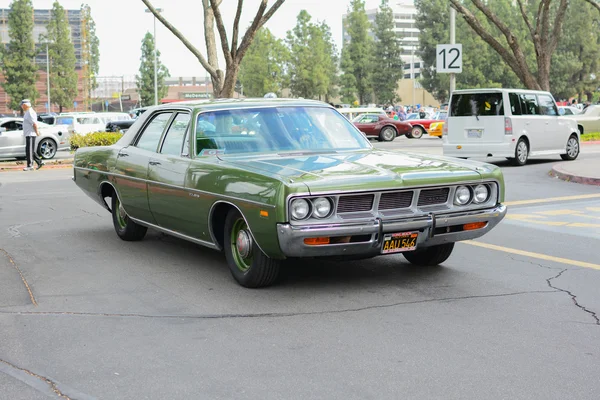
(547, 105)
(529, 104)
(515, 104)
(153, 132)
(477, 104)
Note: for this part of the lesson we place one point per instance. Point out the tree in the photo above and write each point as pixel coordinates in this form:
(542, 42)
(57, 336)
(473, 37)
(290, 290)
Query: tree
(90, 51)
(387, 61)
(223, 82)
(263, 69)
(358, 51)
(313, 62)
(63, 76)
(544, 27)
(482, 66)
(18, 66)
(576, 64)
(594, 3)
(145, 80)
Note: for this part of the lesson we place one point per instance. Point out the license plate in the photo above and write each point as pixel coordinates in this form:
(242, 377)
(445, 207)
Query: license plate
(474, 133)
(399, 242)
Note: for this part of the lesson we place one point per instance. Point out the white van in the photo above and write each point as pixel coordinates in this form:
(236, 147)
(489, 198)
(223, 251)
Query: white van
(82, 123)
(512, 123)
(351, 113)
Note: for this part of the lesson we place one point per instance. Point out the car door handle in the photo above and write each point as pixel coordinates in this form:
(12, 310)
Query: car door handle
(154, 163)
(122, 155)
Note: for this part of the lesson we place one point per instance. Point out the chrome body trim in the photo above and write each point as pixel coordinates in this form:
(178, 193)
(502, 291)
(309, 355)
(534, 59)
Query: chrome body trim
(291, 238)
(176, 234)
(176, 187)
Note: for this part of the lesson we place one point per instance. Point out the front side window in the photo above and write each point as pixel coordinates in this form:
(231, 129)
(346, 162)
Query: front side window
(153, 131)
(173, 142)
(477, 105)
(547, 105)
(276, 129)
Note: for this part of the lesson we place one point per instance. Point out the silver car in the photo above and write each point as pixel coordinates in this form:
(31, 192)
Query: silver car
(12, 142)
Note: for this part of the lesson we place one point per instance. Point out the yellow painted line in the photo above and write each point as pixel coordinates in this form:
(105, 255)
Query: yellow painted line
(552, 199)
(584, 225)
(534, 255)
(597, 209)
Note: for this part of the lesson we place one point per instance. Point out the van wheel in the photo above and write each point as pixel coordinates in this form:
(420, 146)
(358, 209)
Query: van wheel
(572, 149)
(521, 153)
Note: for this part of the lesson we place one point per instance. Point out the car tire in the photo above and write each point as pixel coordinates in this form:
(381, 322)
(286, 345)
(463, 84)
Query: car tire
(521, 153)
(126, 229)
(572, 149)
(47, 149)
(249, 266)
(430, 256)
(387, 134)
(417, 132)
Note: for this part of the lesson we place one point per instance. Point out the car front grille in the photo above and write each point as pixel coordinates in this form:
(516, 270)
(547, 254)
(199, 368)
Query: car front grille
(432, 197)
(358, 203)
(395, 200)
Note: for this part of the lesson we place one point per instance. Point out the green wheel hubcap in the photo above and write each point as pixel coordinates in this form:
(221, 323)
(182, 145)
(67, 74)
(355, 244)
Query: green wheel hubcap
(121, 215)
(241, 245)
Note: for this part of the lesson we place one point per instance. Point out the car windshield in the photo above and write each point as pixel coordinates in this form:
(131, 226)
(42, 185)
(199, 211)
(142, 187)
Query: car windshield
(64, 120)
(412, 116)
(592, 111)
(276, 129)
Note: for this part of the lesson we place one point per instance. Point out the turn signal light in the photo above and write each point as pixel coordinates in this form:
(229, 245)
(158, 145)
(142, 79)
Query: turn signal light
(316, 241)
(474, 225)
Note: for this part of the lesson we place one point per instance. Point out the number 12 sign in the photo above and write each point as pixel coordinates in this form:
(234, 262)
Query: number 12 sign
(449, 58)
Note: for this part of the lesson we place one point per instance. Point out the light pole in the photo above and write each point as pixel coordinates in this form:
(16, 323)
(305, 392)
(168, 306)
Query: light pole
(452, 41)
(48, 78)
(155, 59)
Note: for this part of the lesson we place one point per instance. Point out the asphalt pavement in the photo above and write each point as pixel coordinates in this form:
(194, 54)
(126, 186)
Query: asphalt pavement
(513, 315)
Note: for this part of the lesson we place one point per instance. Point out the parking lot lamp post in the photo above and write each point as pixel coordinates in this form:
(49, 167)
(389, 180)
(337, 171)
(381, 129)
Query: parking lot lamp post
(155, 59)
(49, 106)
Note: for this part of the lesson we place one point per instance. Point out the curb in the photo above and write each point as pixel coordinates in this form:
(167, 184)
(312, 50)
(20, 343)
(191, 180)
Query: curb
(46, 166)
(556, 172)
(591, 142)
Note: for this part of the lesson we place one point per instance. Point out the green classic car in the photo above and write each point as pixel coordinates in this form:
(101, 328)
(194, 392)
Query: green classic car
(266, 180)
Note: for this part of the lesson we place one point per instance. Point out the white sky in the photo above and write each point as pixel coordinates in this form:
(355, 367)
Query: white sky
(121, 25)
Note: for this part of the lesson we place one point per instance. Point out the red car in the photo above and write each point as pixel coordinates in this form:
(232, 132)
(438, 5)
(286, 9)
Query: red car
(421, 126)
(381, 127)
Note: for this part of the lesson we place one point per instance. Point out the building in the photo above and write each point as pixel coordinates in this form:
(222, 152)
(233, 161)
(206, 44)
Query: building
(41, 19)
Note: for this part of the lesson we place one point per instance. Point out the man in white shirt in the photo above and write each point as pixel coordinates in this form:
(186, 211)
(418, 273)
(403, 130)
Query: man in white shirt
(30, 131)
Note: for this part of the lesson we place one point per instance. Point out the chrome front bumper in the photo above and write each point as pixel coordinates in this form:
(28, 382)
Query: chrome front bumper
(431, 228)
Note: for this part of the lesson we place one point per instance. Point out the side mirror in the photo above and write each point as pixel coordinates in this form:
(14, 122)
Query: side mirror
(561, 111)
(2, 129)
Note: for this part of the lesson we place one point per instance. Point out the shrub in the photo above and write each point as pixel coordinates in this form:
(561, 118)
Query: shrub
(588, 137)
(94, 139)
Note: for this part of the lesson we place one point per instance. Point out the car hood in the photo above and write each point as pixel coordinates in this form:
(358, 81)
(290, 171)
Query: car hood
(362, 170)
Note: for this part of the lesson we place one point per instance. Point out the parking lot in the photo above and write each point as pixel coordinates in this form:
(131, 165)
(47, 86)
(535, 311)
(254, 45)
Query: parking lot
(85, 315)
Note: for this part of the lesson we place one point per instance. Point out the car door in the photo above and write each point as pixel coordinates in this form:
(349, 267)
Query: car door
(12, 141)
(132, 166)
(170, 202)
(533, 123)
(367, 124)
(556, 130)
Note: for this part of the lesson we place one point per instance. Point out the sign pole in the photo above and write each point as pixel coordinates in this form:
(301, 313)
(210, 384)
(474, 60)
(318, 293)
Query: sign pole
(452, 41)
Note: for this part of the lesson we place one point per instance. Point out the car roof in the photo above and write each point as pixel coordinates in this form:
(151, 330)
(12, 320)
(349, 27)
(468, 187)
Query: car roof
(499, 90)
(219, 104)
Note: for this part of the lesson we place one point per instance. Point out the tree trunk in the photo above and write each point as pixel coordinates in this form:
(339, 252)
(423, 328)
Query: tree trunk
(60, 109)
(228, 88)
(543, 80)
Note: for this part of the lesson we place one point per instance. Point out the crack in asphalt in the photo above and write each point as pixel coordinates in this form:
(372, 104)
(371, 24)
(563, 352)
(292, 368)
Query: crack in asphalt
(48, 381)
(14, 231)
(14, 264)
(91, 213)
(573, 297)
(271, 315)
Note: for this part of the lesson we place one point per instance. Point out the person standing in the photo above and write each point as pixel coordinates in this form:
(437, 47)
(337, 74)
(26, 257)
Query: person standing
(30, 131)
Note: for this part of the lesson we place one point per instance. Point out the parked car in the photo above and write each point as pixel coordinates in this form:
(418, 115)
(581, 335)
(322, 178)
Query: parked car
(136, 112)
(420, 126)
(569, 110)
(119, 126)
(81, 123)
(47, 118)
(512, 123)
(382, 127)
(589, 120)
(12, 141)
(351, 113)
(107, 117)
(265, 180)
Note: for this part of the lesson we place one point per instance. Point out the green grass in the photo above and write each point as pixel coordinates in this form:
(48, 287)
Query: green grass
(587, 137)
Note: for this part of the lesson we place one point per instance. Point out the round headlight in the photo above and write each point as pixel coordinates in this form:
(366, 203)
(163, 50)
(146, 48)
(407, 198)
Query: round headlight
(300, 209)
(462, 196)
(321, 207)
(480, 193)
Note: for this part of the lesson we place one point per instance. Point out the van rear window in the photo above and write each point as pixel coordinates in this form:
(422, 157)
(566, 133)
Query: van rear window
(477, 104)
